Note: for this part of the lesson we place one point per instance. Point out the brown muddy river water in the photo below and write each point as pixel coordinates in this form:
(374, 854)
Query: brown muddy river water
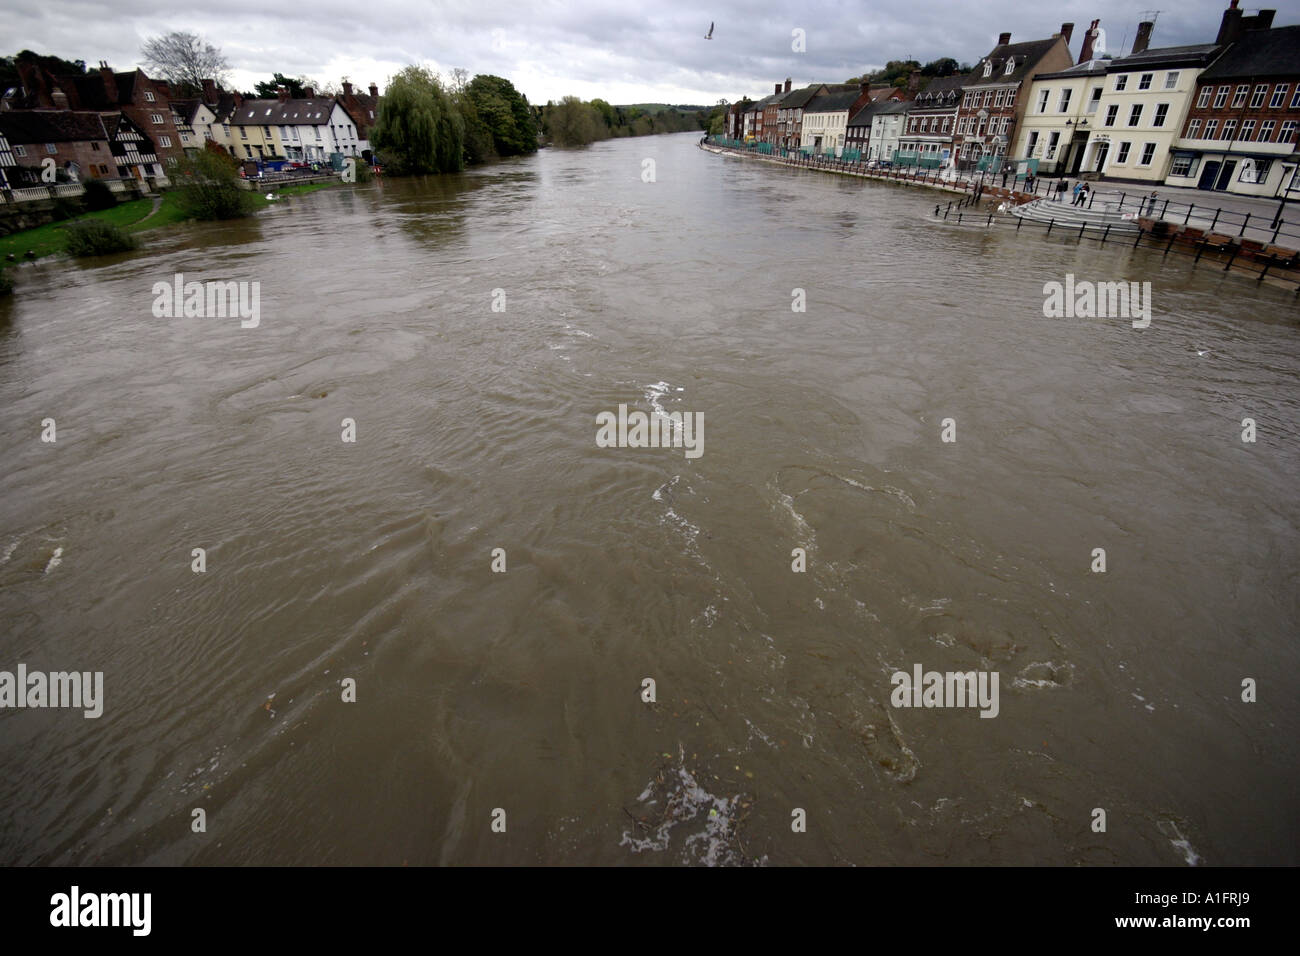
(476, 690)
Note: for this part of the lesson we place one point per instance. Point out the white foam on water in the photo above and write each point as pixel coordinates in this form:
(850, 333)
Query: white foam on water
(654, 395)
(55, 560)
(690, 803)
(4, 558)
(1180, 842)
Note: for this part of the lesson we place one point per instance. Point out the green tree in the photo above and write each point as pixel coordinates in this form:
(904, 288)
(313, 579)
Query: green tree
(504, 113)
(607, 112)
(571, 122)
(55, 65)
(208, 186)
(893, 70)
(419, 129)
(270, 89)
(944, 66)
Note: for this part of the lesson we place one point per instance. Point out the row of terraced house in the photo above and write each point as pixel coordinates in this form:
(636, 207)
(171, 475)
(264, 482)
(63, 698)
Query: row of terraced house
(123, 126)
(1220, 115)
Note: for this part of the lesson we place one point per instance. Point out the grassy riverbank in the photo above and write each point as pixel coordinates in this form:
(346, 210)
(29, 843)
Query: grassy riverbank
(135, 216)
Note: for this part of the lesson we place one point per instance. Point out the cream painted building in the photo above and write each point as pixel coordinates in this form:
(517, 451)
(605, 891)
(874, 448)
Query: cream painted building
(826, 121)
(1061, 112)
(1144, 100)
(254, 132)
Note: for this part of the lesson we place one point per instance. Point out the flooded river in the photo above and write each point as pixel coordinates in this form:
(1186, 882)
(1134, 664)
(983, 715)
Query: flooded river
(472, 328)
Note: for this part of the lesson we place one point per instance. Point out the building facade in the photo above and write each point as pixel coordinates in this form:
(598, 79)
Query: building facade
(826, 119)
(1144, 100)
(1240, 132)
(991, 108)
(789, 114)
(928, 125)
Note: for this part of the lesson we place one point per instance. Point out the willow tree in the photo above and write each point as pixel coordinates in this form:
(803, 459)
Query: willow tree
(418, 129)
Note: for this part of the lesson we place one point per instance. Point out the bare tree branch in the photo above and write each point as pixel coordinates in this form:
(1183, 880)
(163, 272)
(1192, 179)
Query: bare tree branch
(184, 60)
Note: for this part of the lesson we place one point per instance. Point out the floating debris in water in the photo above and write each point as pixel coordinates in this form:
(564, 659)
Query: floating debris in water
(675, 797)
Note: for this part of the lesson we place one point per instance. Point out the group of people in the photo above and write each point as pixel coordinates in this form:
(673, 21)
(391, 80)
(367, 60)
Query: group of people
(1081, 192)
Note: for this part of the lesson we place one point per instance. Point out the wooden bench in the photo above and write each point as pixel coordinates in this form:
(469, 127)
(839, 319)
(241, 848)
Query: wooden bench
(1278, 256)
(1216, 241)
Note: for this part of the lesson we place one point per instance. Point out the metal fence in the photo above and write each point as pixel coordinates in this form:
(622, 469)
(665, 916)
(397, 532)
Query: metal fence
(1277, 265)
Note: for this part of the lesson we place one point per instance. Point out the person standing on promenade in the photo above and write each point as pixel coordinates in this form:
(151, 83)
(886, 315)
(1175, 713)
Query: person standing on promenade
(1061, 187)
(1082, 195)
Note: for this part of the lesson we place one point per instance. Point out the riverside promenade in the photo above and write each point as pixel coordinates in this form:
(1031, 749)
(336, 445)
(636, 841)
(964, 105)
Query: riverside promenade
(1239, 235)
(960, 184)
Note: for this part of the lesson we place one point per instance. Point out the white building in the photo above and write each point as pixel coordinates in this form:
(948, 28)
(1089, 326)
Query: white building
(307, 130)
(887, 126)
(1061, 112)
(826, 120)
(1144, 100)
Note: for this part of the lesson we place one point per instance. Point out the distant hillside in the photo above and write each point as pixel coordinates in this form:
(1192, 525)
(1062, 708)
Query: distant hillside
(653, 108)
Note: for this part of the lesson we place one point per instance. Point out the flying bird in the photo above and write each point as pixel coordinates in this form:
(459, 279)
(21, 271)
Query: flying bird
(709, 35)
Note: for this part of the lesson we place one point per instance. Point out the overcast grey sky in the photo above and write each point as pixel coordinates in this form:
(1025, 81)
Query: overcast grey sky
(625, 52)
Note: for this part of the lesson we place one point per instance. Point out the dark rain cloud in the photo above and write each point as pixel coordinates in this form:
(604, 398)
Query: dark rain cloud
(626, 52)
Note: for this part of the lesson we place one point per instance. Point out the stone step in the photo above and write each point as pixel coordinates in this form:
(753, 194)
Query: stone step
(1065, 215)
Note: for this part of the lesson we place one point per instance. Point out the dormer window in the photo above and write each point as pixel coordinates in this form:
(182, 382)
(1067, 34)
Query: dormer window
(148, 96)
(988, 68)
(1011, 65)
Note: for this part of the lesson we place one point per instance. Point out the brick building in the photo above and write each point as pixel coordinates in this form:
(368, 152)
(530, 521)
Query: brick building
(76, 141)
(1240, 132)
(144, 101)
(992, 105)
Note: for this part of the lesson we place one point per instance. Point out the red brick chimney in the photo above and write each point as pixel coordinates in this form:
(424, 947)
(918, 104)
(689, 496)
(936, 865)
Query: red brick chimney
(1004, 39)
(282, 94)
(1143, 38)
(374, 91)
(778, 90)
(209, 91)
(347, 89)
(1067, 31)
(110, 81)
(1230, 26)
(308, 92)
(1089, 38)
(787, 84)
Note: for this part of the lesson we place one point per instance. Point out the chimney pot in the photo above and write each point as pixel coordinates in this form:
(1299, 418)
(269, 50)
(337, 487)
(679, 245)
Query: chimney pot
(1004, 39)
